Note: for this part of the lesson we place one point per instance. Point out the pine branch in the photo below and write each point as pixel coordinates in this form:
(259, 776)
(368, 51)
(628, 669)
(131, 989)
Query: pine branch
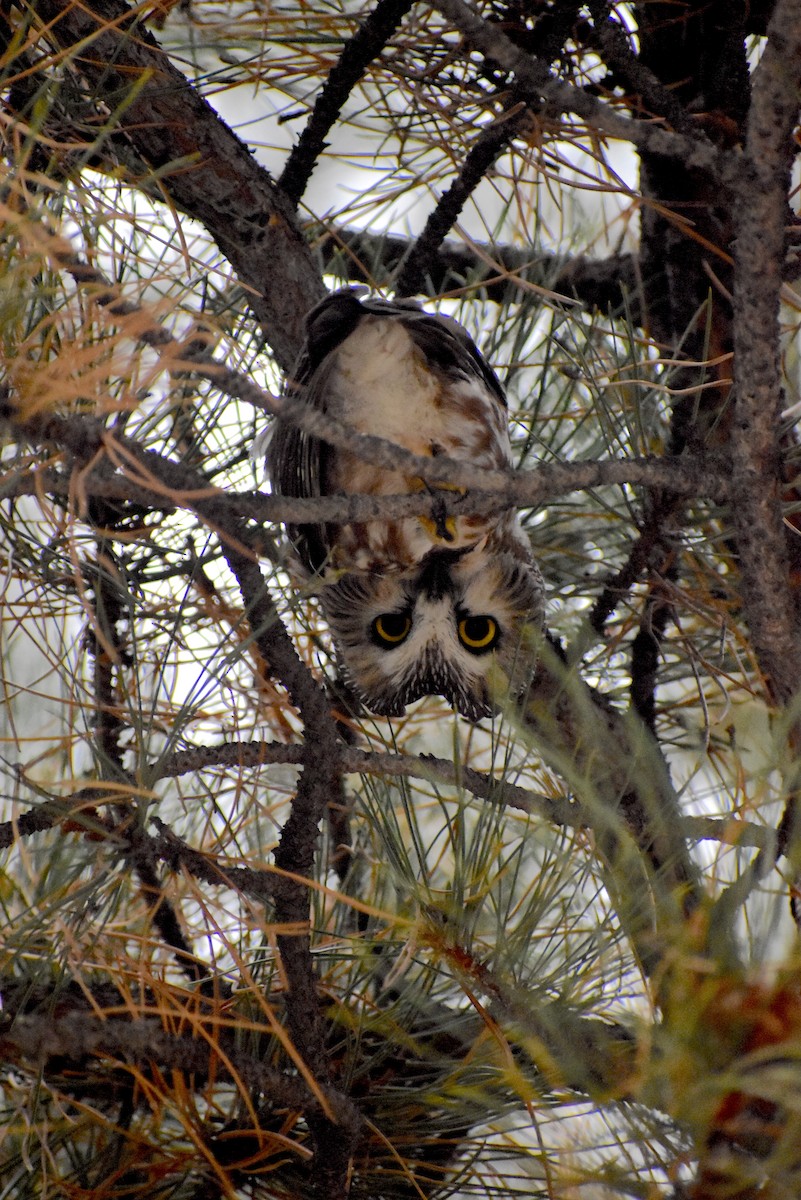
(202, 165)
(358, 52)
(79, 809)
(661, 506)
(192, 356)
(161, 910)
(137, 473)
(592, 1056)
(755, 439)
(372, 762)
(483, 155)
(498, 272)
(595, 1057)
(318, 786)
(616, 770)
(111, 658)
(320, 779)
(534, 83)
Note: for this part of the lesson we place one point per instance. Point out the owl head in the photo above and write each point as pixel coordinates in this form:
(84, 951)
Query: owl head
(442, 627)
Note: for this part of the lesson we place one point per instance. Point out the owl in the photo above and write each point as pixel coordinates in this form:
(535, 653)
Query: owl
(416, 605)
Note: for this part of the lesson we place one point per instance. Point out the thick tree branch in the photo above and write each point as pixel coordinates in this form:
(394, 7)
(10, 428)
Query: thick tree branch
(499, 272)
(201, 164)
(755, 440)
(72, 1038)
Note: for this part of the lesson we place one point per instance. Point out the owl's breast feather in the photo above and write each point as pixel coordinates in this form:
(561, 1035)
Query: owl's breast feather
(381, 385)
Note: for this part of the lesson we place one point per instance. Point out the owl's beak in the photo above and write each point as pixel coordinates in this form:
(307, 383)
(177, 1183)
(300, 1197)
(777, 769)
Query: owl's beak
(471, 698)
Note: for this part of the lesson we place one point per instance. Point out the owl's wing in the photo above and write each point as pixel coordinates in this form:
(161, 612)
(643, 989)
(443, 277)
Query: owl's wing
(296, 461)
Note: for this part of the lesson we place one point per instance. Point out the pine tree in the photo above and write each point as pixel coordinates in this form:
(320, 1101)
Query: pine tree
(258, 944)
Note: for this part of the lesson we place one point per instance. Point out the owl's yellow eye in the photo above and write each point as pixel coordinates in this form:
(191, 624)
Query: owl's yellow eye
(390, 629)
(478, 633)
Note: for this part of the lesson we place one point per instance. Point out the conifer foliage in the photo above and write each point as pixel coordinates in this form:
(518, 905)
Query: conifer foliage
(257, 942)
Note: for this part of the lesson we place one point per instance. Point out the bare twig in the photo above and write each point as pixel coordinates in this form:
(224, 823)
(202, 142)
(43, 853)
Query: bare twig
(609, 37)
(490, 143)
(661, 507)
(645, 647)
(372, 762)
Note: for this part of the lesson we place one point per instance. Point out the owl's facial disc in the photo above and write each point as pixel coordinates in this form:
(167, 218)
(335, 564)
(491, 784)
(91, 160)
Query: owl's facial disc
(432, 647)
(440, 628)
